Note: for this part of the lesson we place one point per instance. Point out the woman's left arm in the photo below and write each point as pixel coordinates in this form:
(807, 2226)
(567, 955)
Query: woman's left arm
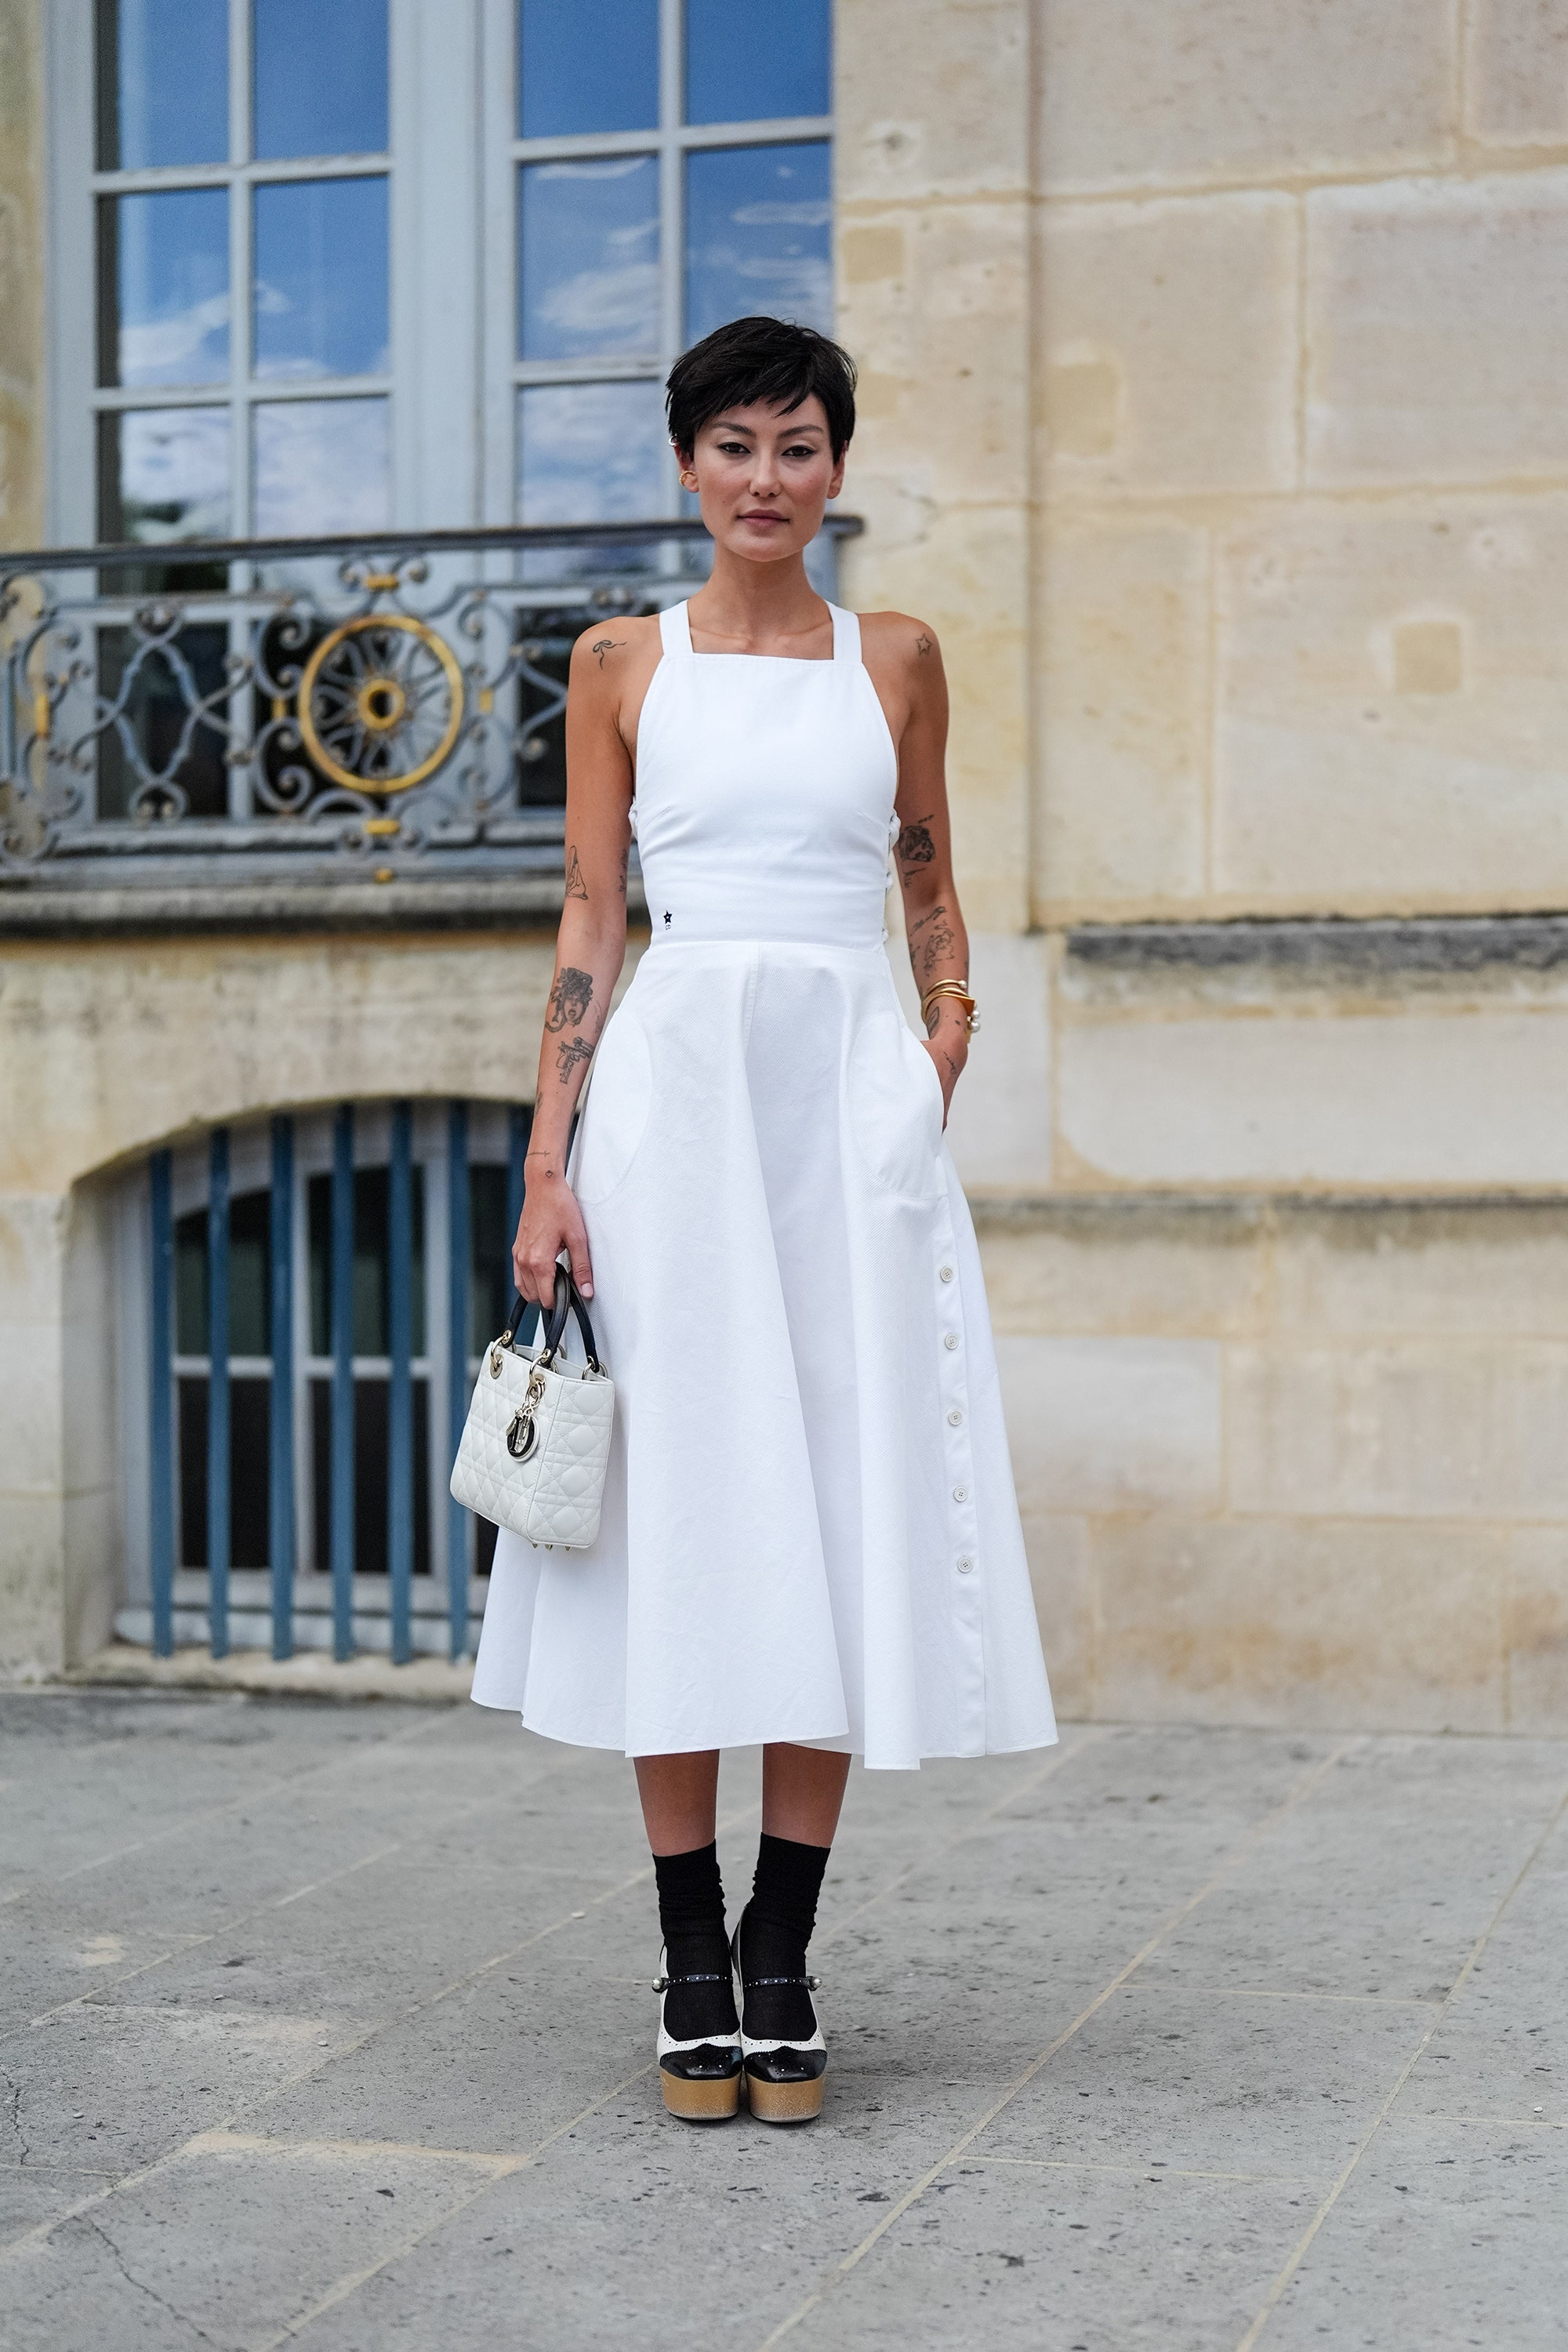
(938, 944)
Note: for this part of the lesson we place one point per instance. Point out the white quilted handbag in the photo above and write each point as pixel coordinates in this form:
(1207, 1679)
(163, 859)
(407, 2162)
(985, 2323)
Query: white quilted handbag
(536, 1443)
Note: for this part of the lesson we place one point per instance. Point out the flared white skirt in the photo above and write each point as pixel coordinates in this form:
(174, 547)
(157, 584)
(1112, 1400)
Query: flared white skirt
(809, 1530)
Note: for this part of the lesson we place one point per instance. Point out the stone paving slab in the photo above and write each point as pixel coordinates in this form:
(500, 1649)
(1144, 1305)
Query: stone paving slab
(330, 2025)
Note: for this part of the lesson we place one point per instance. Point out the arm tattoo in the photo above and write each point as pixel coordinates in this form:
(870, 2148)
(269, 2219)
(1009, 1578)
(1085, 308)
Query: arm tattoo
(575, 885)
(625, 858)
(923, 643)
(569, 998)
(916, 846)
(933, 1015)
(569, 1052)
(933, 949)
(603, 646)
(927, 919)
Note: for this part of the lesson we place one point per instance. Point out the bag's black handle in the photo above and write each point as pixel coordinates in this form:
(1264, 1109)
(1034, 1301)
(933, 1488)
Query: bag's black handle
(568, 1301)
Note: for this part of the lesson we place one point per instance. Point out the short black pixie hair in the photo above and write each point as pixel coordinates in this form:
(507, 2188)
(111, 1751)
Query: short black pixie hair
(760, 359)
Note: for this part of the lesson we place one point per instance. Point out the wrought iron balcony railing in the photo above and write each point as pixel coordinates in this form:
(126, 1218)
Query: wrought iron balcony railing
(386, 707)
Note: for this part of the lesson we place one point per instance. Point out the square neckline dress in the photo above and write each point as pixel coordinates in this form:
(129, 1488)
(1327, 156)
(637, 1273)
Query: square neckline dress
(809, 1530)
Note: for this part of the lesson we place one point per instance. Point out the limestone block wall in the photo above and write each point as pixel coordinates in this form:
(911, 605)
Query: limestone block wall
(1266, 1129)
(1298, 334)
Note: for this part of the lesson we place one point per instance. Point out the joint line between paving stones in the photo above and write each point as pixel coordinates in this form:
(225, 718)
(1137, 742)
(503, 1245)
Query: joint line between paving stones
(1299, 2253)
(134, 2179)
(1233, 1862)
(1155, 2173)
(194, 1943)
(503, 2170)
(281, 1784)
(1053, 1764)
(504, 2167)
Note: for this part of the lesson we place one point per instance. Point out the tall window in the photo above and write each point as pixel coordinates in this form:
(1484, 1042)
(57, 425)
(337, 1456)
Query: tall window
(243, 295)
(672, 164)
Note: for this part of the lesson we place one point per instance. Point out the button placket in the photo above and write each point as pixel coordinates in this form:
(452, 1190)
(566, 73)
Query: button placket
(962, 1523)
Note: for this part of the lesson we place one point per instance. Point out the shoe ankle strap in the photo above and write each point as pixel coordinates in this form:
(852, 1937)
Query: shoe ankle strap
(662, 1984)
(811, 1983)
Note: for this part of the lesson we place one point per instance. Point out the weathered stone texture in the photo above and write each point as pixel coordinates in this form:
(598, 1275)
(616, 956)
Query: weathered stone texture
(1367, 1525)
(1194, 90)
(1516, 73)
(1166, 346)
(1437, 330)
(1376, 1102)
(1391, 705)
(1122, 748)
(1300, 1620)
(106, 1047)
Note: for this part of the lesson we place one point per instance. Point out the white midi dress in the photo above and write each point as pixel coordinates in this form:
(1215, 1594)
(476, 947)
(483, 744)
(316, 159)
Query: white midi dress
(809, 1528)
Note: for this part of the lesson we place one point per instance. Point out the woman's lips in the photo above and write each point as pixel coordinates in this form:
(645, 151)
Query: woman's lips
(762, 516)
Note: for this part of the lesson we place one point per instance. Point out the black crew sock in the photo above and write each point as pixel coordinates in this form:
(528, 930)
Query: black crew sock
(775, 1928)
(692, 1914)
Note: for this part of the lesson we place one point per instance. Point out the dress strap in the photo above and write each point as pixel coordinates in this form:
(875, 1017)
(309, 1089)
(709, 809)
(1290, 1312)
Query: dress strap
(846, 635)
(675, 630)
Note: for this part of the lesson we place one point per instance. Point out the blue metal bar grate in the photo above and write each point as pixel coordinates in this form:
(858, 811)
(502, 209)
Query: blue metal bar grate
(341, 1289)
(160, 1432)
(400, 1396)
(280, 1399)
(219, 1416)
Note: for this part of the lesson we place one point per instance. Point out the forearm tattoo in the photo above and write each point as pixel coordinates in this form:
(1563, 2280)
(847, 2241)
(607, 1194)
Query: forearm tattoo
(625, 860)
(575, 885)
(568, 1053)
(569, 998)
(916, 846)
(927, 953)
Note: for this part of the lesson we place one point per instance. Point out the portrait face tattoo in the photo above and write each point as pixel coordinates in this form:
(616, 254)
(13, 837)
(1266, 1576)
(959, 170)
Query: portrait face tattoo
(569, 998)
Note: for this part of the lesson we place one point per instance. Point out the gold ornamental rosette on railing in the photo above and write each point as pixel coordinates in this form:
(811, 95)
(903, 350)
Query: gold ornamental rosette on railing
(380, 702)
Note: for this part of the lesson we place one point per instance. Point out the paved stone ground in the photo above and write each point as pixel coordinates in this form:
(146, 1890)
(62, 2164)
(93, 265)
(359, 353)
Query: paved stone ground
(332, 2025)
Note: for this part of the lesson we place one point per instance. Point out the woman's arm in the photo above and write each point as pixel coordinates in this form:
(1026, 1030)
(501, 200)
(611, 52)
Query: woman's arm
(938, 944)
(590, 951)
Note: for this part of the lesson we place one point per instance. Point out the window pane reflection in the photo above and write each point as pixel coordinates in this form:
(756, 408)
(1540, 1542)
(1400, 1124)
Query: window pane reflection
(321, 279)
(164, 288)
(583, 70)
(320, 78)
(322, 465)
(588, 258)
(767, 60)
(163, 475)
(162, 83)
(759, 230)
(590, 452)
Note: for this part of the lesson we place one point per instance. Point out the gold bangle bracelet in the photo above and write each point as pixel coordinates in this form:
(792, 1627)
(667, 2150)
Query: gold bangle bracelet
(959, 994)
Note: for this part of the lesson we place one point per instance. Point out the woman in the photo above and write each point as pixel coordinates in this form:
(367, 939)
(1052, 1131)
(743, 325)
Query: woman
(809, 1539)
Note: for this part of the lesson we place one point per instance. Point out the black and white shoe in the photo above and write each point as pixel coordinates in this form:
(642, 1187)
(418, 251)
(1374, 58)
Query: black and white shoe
(700, 2079)
(785, 2080)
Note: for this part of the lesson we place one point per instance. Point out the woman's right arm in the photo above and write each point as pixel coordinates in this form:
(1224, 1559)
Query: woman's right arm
(590, 951)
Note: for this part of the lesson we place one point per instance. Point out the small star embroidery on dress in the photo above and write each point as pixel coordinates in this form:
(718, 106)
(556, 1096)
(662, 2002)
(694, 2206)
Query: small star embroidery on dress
(667, 914)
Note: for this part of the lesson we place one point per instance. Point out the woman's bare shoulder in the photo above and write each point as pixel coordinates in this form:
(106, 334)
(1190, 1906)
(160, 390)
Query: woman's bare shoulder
(624, 643)
(898, 638)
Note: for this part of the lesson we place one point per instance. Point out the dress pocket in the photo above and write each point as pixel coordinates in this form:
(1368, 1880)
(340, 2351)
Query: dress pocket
(616, 1116)
(895, 1106)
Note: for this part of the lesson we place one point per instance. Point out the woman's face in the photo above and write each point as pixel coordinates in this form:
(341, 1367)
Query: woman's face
(763, 479)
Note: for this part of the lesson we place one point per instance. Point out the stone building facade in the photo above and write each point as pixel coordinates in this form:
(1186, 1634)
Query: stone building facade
(1211, 357)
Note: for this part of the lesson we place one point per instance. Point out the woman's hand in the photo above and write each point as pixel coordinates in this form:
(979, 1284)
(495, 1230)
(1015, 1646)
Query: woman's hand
(948, 1045)
(551, 1221)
